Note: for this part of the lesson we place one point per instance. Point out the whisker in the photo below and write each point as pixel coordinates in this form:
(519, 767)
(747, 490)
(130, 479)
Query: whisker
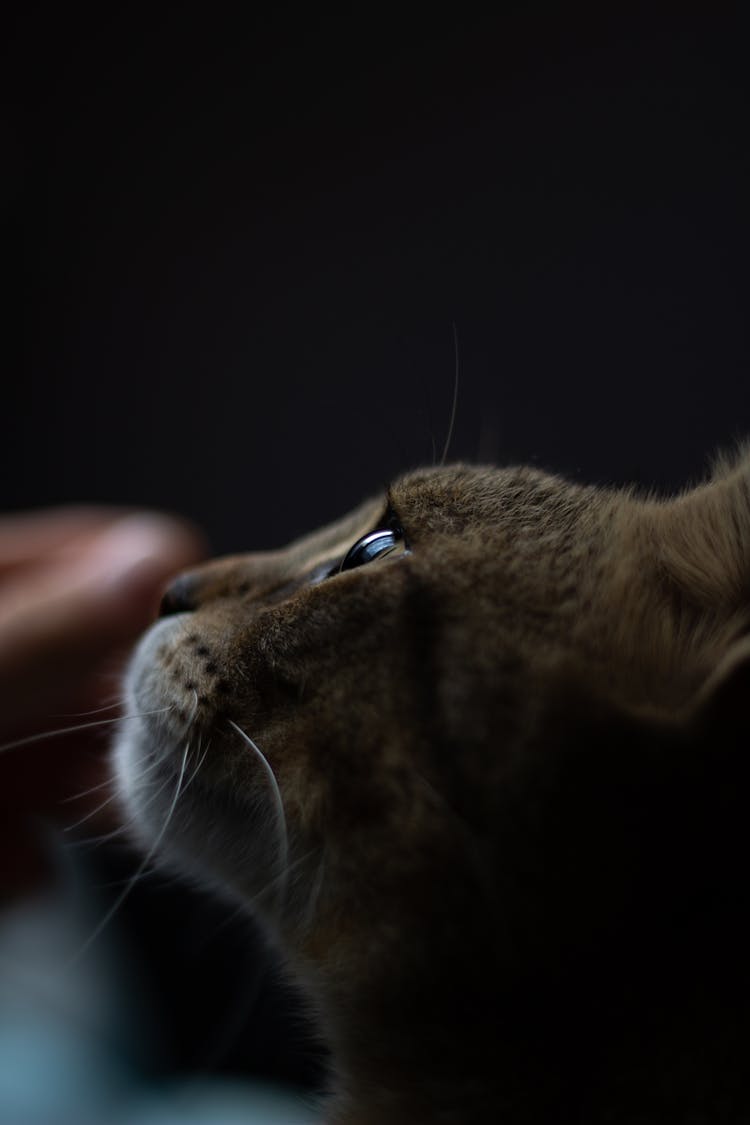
(166, 880)
(123, 828)
(140, 870)
(86, 792)
(74, 729)
(449, 437)
(280, 814)
(194, 774)
(315, 893)
(92, 813)
(97, 841)
(82, 714)
(282, 877)
(107, 784)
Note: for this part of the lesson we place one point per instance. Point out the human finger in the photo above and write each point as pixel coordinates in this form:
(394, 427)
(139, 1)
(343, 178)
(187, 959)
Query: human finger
(27, 538)
(56, 625)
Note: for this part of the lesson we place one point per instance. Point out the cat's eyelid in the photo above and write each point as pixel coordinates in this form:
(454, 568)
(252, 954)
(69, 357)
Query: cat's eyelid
(390, 520)
(375, 541)
(391, 514)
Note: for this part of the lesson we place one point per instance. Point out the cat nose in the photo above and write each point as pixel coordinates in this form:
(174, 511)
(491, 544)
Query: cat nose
(233, 576)
(180, 596)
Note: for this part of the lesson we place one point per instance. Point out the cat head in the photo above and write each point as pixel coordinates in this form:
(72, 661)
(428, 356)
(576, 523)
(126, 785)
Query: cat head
(460, 736)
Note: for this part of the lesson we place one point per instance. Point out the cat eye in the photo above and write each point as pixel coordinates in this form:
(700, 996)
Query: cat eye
(376, 545)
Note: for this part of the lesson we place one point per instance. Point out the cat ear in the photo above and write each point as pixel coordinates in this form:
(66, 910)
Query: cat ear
(704, 536)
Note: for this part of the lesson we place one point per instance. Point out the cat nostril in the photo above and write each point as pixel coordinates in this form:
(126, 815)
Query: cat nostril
(179, 596)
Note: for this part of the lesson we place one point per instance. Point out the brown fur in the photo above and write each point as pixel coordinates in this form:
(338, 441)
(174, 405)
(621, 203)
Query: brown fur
(513, 768)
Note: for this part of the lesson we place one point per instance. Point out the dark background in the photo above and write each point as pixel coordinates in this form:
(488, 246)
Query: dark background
(238, 245)
(244, 243)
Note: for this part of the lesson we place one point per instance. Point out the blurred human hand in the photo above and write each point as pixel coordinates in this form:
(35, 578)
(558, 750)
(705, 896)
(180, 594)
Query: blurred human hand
(77, 586)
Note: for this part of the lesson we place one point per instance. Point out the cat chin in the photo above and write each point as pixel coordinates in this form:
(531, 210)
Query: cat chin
(207, 837)
(146, 790)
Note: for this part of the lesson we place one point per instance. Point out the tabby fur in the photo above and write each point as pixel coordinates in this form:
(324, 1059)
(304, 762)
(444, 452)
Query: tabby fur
(513, 768)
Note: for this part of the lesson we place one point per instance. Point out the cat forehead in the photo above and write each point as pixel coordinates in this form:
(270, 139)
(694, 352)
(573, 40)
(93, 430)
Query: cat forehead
(456, 497)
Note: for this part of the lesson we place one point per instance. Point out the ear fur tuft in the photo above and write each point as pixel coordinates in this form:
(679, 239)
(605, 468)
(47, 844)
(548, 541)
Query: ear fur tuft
(704, 536)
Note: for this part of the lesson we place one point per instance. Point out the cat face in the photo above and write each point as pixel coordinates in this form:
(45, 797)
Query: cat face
(398, 738)
(349, 660)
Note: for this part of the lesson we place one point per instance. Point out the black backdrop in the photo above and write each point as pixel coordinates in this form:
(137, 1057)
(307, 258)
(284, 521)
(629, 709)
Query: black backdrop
(245, 240)
(239, 244)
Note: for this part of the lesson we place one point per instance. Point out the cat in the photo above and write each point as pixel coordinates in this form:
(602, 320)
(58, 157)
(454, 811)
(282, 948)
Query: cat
(477, 756)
